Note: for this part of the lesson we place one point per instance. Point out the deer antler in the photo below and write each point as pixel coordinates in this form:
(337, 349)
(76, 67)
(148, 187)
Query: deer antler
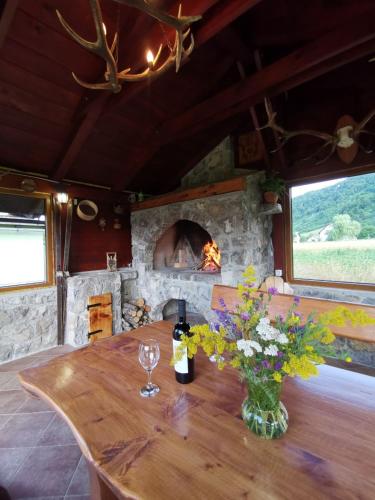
(100, 46)
(286, 135)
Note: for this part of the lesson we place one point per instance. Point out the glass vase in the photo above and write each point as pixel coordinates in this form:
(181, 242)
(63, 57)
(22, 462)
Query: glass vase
(262, 411)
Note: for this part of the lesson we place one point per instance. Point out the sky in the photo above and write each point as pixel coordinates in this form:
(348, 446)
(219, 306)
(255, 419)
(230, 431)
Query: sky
(300, 190)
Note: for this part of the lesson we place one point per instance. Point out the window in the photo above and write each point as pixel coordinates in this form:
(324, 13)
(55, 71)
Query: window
(331, 237)
(26, 257)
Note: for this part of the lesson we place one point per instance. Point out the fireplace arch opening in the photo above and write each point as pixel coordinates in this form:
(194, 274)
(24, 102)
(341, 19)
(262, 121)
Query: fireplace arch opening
(186, 246)
(193, 316)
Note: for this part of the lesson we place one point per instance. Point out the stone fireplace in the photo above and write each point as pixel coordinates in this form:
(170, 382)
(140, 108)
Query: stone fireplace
(167, 244)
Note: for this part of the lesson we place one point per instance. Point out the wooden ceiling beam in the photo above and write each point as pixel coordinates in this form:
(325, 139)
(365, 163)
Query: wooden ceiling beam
(6, 19)
(222, 15)
(80, 136)
(321, 56)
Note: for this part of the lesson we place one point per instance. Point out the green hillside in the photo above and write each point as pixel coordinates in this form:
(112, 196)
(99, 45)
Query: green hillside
(354, 196)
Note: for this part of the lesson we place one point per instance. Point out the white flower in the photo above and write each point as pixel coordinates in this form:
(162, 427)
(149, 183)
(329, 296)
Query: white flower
(271, 350)
(244, 345)
(282, 339)
(265, 330)
(255, 345)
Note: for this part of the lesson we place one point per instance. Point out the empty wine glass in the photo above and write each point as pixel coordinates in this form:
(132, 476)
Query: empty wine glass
(149, 355)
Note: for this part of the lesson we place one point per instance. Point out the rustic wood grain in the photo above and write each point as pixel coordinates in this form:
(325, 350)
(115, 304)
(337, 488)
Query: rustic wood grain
(281, 303)
(189, 442)
(235, 184)
(100, 316)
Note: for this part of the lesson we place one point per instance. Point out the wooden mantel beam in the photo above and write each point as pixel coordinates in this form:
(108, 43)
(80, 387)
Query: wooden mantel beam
(335, 49)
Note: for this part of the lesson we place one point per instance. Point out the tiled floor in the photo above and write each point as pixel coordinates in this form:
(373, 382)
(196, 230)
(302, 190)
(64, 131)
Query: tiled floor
(39, 457)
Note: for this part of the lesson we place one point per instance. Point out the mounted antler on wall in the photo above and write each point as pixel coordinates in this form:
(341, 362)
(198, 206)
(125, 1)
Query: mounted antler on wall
(114, 77)
(345, 139)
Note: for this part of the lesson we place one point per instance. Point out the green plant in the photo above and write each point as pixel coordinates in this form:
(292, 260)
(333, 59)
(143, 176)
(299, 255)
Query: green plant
(273, 183)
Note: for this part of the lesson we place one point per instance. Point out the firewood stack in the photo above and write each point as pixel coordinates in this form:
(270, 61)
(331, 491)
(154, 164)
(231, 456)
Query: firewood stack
(135, 314)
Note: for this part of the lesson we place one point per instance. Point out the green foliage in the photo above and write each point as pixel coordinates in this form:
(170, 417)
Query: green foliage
(351, 263)
(367, 232)
(273, 183)
(354, 196)
(344, 228)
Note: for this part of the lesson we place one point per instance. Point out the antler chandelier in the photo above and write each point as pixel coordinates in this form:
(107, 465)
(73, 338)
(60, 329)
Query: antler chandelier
(113, 77)
(344, 140)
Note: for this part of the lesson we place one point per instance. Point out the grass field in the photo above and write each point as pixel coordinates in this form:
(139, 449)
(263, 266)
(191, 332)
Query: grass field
(352, 261)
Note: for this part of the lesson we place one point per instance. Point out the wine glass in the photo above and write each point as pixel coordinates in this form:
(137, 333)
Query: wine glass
(149, 355)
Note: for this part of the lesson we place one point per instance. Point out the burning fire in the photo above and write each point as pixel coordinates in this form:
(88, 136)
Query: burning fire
(211, 257)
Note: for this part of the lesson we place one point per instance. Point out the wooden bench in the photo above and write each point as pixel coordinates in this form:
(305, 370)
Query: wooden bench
(281, 303)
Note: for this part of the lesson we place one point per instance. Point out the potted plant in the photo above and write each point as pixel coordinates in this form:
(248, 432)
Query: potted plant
(265, 352)
(272, 187)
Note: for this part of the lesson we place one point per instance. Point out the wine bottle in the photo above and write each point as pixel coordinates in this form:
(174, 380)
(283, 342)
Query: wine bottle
(184, 369)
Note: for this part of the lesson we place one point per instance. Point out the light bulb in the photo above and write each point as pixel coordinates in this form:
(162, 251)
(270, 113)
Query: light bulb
(62, 197)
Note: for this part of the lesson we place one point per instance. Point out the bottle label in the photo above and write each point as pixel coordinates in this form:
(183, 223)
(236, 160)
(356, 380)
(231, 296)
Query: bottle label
(182, 365)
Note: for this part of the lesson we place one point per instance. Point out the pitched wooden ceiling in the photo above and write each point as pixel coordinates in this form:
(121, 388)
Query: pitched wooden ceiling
(152, 133)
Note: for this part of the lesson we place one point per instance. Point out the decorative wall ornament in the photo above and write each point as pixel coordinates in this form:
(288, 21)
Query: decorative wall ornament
(87, 210)
(28, 185)
(344, 140)
(113, 77)
(111, 261)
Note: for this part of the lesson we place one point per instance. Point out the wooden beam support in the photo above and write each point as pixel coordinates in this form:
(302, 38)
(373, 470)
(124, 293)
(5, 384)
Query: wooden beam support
(321, 56)
(7, 18)
(79, 138)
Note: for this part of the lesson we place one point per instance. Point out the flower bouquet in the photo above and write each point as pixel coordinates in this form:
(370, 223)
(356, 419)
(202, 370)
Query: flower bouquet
(265, 351)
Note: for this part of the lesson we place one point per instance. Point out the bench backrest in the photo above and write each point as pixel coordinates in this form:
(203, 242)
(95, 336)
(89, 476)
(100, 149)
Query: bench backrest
(281, 303)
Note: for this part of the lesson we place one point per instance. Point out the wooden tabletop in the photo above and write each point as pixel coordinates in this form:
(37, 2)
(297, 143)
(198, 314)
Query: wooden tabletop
(189, 442)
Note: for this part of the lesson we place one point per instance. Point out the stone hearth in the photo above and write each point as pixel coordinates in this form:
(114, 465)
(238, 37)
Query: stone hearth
(231, 219)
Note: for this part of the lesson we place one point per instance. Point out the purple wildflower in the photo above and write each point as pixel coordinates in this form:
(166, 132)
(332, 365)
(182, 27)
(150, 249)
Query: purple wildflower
(273, 291)
(245, 316)
(280, 318)
(246, 295)
(299, 315)
(297, 300)
(278, 365)
(280, 354)
(266, 363)
(256, 369)
(222, 302)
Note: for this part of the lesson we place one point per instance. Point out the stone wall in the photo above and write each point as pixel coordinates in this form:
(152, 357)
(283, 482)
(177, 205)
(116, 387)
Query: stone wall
(84, 285)
(218, 165)
(361, 352)
(28, 322)
(232, 220)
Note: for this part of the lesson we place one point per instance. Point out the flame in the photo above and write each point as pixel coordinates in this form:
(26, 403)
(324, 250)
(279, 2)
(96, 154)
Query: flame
(212, 257)
(150, 58)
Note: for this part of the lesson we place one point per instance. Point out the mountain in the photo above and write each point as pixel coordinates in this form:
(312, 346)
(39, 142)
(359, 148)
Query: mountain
(354, 196)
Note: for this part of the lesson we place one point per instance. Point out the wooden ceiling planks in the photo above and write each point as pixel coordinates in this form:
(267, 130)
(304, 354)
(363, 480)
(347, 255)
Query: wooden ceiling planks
(99, 104)
(7, 15)
(128, 139)
(322, 55)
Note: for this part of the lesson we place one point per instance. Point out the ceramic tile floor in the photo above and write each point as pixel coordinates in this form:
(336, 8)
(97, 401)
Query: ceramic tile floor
(39, 457)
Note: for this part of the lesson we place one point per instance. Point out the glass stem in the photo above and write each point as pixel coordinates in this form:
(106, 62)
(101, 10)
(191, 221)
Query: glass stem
(149, 372)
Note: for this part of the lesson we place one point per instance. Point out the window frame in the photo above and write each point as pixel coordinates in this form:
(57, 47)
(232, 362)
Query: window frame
(288, 240)
(50, 257)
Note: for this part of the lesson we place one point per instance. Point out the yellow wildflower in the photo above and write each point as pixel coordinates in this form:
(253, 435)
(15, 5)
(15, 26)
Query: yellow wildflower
(277, 377)
(348, 359)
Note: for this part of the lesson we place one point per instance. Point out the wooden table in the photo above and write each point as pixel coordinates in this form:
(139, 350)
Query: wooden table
(189, 441)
